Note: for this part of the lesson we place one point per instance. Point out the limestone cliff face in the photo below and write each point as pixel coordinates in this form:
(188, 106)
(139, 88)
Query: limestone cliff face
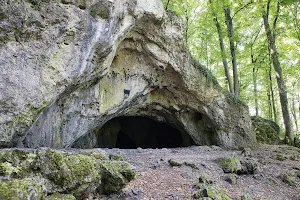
(70, 66)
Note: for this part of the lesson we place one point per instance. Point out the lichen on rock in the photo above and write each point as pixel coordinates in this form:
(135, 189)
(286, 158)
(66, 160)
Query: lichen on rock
(21, 189)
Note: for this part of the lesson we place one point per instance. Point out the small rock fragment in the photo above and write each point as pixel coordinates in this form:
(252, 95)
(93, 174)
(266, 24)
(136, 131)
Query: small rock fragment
(246, 152)
(231, 178)
(173, 163)
(192, 165)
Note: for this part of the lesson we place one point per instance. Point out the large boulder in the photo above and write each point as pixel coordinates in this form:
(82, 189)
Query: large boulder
(68, 67)
(35, 174)
(267, 131)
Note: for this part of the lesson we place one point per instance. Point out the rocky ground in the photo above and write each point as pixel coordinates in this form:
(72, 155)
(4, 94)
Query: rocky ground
(268, 172)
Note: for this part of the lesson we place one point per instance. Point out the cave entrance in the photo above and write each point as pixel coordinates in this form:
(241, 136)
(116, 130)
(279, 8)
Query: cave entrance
(133, 132)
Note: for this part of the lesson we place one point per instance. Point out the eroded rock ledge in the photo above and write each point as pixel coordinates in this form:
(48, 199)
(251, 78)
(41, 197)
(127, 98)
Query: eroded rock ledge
(68, 67)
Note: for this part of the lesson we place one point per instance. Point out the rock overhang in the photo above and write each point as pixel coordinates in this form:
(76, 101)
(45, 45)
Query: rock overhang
(132, 61)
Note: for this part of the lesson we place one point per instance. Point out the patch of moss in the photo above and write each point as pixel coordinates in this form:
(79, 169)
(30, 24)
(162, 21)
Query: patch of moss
(18, 161)
(207, 191)
(272, 180)
(100, 155)
(280, 157)
(58, 196)
(74, 173)
(298, 173)
(116, 157)
(230, 165)
(69, 170)
(8, 169)
(28, 117)
(267, 131)
(115, 174)
(173, 163)
(288, 180)
(21, 190)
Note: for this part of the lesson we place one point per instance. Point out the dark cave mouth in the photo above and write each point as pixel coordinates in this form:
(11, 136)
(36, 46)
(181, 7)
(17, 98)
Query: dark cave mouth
(133, 132)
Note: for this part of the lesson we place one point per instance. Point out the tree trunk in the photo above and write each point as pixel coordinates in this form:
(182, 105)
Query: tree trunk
(230, 33)
(272, 95)
(223, 54)
(289, 137)
(254, 74)
(294, 114)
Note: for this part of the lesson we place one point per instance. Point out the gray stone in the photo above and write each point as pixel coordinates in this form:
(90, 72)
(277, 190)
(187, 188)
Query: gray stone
(231, 178)
(68, 67)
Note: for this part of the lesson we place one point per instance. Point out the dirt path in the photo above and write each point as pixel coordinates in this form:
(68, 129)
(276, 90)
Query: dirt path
(157, 179)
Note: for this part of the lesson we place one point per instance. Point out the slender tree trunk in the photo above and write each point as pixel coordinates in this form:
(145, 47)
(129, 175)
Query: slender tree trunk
(167, 5)
(230, 33)
(223, 54)
(294, 114)
(270, 103)
(272, 94)
(289, 137)
(254, 74)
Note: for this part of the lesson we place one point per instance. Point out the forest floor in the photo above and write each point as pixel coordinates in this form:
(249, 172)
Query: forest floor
(277, 176)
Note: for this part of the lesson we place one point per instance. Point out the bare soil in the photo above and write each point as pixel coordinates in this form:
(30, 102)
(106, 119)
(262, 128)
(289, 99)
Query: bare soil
(157, 179)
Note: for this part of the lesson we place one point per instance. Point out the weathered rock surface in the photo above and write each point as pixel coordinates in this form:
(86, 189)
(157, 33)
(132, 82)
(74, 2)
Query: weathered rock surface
(68, 67)
(35, 174)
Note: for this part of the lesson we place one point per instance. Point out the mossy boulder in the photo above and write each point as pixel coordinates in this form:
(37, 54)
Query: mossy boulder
(75, 173)
(21, 189)
(230, 164)
(114, 176)
(15, 163)
(267, 131)
(206, 190)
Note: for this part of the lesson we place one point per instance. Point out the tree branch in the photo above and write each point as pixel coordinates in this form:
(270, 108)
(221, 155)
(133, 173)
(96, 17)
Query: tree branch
(167, 5)
(242, 8)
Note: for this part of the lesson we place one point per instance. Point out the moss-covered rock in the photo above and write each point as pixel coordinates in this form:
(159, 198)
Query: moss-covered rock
(173, 163)
(61, 171)
(288, 180)
(230, 165)
(267, 131)
(21, 189)
(15, 162)
(115, 175)
(117, 157)
(280, 157)
(205, 190)
(7, 169)
(298, 173)
(72, 172)
(58, 196)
